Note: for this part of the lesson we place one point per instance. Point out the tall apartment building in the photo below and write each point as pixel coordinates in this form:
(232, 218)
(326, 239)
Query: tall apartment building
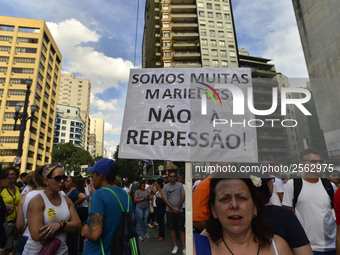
(77, 92)
(318, 23)
(307, 134)
(28, 51)
(97, 128)
(69, 126)
(92, 145)
(272, 141)
(189, 33)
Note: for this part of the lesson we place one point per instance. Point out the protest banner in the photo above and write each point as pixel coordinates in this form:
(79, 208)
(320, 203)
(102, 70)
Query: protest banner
(192, 114)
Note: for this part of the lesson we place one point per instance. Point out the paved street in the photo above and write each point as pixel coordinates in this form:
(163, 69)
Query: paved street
(154, 247)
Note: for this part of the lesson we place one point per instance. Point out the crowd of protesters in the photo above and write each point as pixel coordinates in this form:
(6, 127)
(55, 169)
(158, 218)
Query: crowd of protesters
(278, 215)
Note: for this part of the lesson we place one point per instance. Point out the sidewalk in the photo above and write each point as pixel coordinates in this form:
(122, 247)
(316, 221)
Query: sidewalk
(154, 247)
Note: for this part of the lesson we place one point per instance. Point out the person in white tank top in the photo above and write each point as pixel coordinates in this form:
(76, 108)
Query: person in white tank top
(49, 214)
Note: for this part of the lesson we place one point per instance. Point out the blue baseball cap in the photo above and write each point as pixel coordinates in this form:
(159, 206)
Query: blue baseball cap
(102, 166)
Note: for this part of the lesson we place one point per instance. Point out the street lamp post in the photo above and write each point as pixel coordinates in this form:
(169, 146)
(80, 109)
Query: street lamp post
(23, 117)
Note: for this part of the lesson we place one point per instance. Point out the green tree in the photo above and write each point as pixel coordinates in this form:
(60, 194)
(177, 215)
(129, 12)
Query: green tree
(127, 167)
(71, 157)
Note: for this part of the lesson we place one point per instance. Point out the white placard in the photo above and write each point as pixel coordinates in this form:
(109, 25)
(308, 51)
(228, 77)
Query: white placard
(191, 114)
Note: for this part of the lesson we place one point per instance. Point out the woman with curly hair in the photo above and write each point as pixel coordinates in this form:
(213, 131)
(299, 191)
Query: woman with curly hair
(237, 223)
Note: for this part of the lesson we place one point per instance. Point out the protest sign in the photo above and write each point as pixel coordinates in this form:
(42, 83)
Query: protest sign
(192, 114)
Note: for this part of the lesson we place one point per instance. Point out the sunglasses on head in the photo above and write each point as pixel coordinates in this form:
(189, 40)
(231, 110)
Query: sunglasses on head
(314, 161)
(58, 178)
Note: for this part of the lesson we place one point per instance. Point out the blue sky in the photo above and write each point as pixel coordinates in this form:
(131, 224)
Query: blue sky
(97, 41)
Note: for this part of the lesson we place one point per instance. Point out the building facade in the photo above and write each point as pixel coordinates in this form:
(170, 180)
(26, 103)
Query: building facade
(92, 145)
(318, 23)
(77, 92)
(69, 126)
(28, 51)
(189, 33)
(97, 128)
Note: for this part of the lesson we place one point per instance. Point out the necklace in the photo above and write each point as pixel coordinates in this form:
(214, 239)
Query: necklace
(258, 250)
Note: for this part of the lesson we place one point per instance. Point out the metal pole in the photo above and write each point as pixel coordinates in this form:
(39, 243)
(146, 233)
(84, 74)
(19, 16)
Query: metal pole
(23, 119)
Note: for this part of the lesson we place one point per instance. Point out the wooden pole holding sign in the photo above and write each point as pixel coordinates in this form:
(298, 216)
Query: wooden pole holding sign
(188, 209)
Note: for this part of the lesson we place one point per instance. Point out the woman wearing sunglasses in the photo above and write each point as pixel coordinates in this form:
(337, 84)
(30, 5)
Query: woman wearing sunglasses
(50, 215)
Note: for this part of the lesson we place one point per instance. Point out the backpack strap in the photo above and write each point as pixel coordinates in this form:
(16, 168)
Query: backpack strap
(120, 204)
(329, 188)
(297, 190)
(326, 184)
(121, 207)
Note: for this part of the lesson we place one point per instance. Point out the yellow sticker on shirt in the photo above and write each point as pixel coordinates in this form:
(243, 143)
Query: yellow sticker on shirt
(51, 213)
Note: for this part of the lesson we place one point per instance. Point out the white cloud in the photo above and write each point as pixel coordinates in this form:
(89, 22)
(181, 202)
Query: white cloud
(101, 105)
(103, 71)
(110, 145)
(268, 29)
(110, 130)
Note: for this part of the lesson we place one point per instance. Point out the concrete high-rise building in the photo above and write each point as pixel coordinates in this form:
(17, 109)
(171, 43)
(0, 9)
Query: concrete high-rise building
(318, 23)
(97, 128)
(77, 92)
(92, 145)
(271, 140)
(69, 126)
(28, 51)
(189, 33)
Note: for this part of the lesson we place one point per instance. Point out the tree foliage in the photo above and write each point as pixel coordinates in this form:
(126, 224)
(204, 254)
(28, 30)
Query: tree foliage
(70, 156)
(128, 167)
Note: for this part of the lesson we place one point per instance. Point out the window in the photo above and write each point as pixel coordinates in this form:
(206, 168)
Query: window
(25, 50)
(200, 5)
(221, 33)
(213, 43)
(224, 63)
(165, 7)
(5, 48)
(27, 40)
(201, 13)
(167, 54)
(202, 23)
(217, 7)
(64, 122)
(204, 42)
(215, 63)
(6, 28)
(24, 60)
(166, 34)
(211, 23)
(227, 16)
(166, 44)
(223, 53)
(218, 15)
(214, 53)
(210, 15)
(6, 38)
(166, 24)
(165, 15)
(209, 5)
(205, 51)
(212, 33)
(229, 35)
(232, 54)
(63, 128)
(29, 30)
(204, 32)
(225, 8)
(228, 25)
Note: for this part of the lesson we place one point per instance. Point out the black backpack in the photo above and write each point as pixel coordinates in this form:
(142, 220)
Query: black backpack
(326, 184)
(125, 241)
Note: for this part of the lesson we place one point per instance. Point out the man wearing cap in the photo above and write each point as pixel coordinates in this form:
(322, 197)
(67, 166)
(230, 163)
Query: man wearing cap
(105, 212)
